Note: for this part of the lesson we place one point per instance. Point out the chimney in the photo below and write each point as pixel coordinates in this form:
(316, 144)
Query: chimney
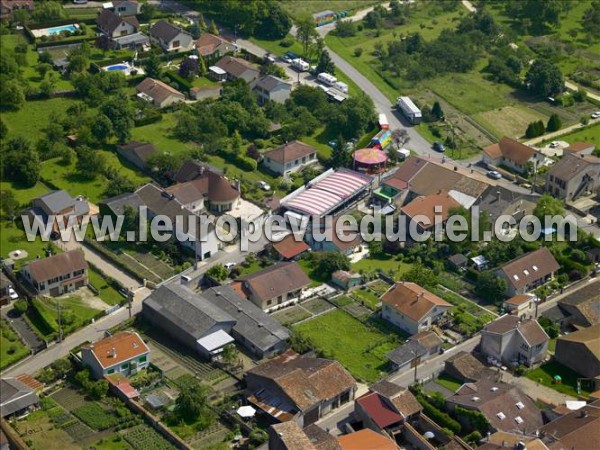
(238, 185)
(498, 194)
(201, 170)
(112, 352)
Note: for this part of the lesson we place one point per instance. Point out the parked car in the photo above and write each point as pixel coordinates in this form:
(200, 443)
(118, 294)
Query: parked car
(229, 265)
(596, 115)
(494, 174)
(286, 59)
(12, 294)
(332, 143)
(439, 147)
(554, 144)
(264, 185)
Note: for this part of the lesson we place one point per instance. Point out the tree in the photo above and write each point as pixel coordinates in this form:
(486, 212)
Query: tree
(90, 162)
(212, 29)
(21, 163)
(422, 276)
(78, 62)
(306, 34)
(147, 12)
(192, 401)
(345, 28)
(236, 142)
(275, 24)
(103, 42)
(102, 128)
(119, 185)
(202, 69)
(329, 262)
(436, 111)
(11, 94)
(189, 68)
(230, 354)
(325, 63)
(3, 129)
(42, 69)
(9, 203)
(195, 30)
(20, 16)
(163, 165)
(151, 65)
(340, 157)
(591, 19)
(201, 22)
(551, 329)
(299, 342)
(535, 129)
(548, 206)
(544, 78)
(218, 272)
(490, 287)
(554, 123)
(120, 112)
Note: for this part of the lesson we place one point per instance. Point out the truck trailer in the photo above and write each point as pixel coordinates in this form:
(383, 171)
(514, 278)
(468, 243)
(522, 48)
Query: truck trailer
(409, 109)
(300, 65)
(327, 79)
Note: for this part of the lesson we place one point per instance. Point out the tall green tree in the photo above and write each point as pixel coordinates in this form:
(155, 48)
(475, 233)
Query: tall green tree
(490, 287)
(548, 206)
(554, 123)
(151, 65)
(20, 163)
(120, 112)
(8, 202)
(325, 63)
(307, 34)
(192, 401)
(544, 78)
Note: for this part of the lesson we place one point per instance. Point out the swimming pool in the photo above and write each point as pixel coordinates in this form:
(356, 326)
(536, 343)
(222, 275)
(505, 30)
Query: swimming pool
(117, 67)
(57, 30)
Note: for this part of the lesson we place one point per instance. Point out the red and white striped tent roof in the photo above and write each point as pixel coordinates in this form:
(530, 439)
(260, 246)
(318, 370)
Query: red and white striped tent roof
(327, 194)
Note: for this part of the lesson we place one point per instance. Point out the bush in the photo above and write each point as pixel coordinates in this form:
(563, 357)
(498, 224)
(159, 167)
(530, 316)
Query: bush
(21, 306)
(358, 51)
(441, 418)
(286, 42)
(520, 370)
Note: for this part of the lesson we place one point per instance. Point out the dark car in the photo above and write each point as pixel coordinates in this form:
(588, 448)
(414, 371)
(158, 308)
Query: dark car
(439, 147)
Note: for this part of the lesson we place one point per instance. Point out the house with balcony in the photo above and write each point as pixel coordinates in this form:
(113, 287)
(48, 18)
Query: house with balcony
(412, 308)
(125, 353)
(114, 26)
(58, 274)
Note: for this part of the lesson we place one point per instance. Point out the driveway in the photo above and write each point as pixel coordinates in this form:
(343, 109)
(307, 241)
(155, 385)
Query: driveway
(23, 329)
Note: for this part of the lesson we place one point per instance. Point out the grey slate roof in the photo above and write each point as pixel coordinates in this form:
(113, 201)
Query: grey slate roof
(15, 396)
(117, 204)
(165, 31)
(190, 312)
(253, 323)
(270, 82)
(404, 353)
(57, 201)
(497, 200)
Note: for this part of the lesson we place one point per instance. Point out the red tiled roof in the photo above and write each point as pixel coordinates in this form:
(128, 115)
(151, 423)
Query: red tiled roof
(290, 247)
(379, 412)
(118, 348)
(412, 300)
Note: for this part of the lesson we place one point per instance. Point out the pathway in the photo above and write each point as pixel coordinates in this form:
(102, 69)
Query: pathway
(575, 87)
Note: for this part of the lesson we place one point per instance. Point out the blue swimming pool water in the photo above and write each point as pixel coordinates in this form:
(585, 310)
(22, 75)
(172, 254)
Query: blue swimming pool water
(117, 67)
(57, 30)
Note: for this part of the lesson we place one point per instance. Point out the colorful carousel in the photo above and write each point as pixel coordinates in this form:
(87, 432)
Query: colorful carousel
(370, 160)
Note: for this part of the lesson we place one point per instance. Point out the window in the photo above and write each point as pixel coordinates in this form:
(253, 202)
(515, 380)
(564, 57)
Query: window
(176, 44)
(111, 371)
(124, 366)
(143, 359)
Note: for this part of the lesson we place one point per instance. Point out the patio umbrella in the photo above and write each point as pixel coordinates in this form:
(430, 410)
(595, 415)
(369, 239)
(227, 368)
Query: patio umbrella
(246, 411)
(428, 435)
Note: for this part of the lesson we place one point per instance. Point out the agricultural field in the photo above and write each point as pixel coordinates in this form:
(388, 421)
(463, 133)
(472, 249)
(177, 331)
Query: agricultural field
(359, 348)
(291, 315)
(300, 9)
(11, 347)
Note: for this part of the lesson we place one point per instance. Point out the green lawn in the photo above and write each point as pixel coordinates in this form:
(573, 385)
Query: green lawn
(34, 116)
(75, 313)
(13, 238)
(107, 293)
(448, 382)
(24, 195)
(357, 347)
(385, 263)
(545, 375)
(367, 297)
(588, 134)
(11, 347)
(66, 177)
(316, 277)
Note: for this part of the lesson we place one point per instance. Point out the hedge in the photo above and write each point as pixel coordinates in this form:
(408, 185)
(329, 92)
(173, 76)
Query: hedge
(240, 161)
(441, 418)
(184, 84)
(112, 258)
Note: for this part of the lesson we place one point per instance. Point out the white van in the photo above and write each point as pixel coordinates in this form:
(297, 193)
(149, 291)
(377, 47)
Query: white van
(300, 65)
(185, 279)
(327, 79)
(341, 86)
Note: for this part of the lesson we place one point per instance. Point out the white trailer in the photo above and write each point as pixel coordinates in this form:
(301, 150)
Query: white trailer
(341, 86)
(300, 65)
(409, 109)
(327, 79)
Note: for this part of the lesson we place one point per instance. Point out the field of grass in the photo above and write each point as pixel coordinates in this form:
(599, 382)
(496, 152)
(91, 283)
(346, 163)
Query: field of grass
(11, 347)
(308, 7)
(34, 116)
(357, 347)
(448, 382)
(545, 375)
(588, 134)
(316, 277)
(74, 314)
(385, 263)
(22, 194)
(366, 297)
(107, 293)
(66, 177)
(13, 238)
